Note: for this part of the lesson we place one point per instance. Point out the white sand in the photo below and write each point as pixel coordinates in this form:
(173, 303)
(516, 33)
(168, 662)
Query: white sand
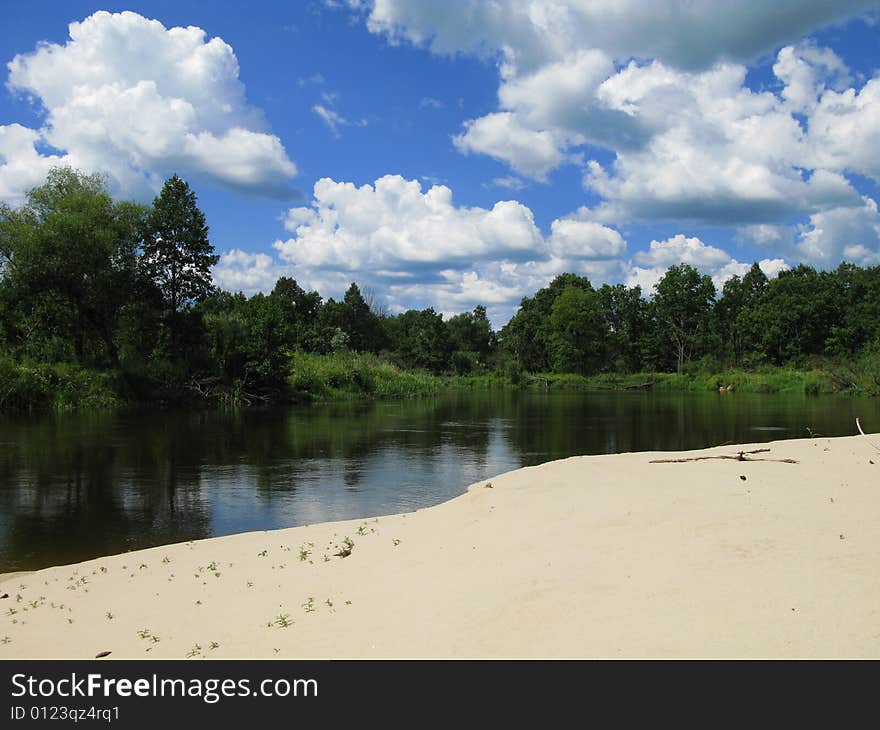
(598, 556)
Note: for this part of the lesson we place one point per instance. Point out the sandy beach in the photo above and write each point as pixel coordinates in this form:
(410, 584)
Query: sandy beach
(594, 556)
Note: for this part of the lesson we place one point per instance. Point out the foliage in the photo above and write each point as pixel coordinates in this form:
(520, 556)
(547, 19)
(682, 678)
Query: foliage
(104, 301)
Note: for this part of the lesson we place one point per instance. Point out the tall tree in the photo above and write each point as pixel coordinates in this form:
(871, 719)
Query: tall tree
(69, 267)
(579, 332)
(177, 254)
(683, 299)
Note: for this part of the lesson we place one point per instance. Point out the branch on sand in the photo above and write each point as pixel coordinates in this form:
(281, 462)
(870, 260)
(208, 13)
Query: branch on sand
(859, 426)
(741, 456)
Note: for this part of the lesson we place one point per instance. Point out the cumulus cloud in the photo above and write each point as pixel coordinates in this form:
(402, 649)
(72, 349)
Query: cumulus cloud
(650, 265)
(841, 234)
(135, 100)
(663, 87)
(530, 33)
(22, 167)
(239, 270)
(393, 222)
(530, 152)
(418, 248)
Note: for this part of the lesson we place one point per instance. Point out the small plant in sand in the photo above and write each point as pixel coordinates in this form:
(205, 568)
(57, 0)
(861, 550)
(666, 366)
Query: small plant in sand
(282, 621)
(195, 651)
(166, 560)
(345, 550)
(103, 569)
(329, 603)
(309, 605)
(109, 616)
(262, 553)
(212, 566)
(396, 542)
(304, 553)
(5, 640)
(214, 645)
(362, 530)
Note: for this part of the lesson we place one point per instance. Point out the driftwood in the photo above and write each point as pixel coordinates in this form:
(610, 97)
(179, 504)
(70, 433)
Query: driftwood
(640, 386)
(859, 426)
(741, 456)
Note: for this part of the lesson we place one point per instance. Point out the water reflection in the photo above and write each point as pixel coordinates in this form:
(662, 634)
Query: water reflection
(75, 487)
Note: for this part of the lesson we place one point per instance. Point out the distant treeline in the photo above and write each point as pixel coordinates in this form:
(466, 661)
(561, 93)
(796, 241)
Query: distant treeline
(102, 301)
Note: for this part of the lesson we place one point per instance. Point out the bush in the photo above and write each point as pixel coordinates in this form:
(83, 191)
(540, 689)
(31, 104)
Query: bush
(58, 386)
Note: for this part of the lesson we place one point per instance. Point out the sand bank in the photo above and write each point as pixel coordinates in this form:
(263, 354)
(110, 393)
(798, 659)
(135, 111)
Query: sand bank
(595, 556)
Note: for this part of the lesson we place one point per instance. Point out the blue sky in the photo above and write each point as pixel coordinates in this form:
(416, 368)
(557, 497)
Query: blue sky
(462, 153)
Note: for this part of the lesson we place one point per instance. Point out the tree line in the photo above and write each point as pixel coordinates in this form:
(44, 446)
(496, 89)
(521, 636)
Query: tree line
(126, 289)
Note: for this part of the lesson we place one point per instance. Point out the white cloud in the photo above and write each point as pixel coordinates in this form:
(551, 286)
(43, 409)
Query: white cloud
(849, 234)
(22, 167)
(531, 33)
(501, 135)
(650, 266)
(716, 151)
(133, 99)
(239, 270)
(663, 87)
(571, 238)
(419, 249)
(332, 119)
(509, 182)
(844, 130)
(393, 223)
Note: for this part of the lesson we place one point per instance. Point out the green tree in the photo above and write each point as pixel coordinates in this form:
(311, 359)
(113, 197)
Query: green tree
(683, 300)
(299, 314)
(420, 340)
(177, 255)
(579, 332)
(471, 339)
(626, 315)
(527, 335)
(69, 258)
(796, 315)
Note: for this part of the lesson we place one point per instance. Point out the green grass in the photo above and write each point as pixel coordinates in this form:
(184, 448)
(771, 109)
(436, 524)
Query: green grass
(53, 386)
(344, 376)
(770, 380)
(347, 375)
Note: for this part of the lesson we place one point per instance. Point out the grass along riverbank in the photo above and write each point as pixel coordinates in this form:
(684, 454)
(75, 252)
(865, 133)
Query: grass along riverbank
(347, 375)
(351, 375)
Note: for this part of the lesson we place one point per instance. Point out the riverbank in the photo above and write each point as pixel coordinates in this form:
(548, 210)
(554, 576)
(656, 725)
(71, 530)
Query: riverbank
(599, 556)
(345, 376)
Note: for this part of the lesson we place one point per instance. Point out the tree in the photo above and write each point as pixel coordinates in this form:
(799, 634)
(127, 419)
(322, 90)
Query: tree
(734, 320)
(69, 268)
(177, 254)
(471, 339)
(421, 340)
(527, 335)
(299, 313)
(579, 332)
(683, 300)
(626, 315)
(362, 326)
